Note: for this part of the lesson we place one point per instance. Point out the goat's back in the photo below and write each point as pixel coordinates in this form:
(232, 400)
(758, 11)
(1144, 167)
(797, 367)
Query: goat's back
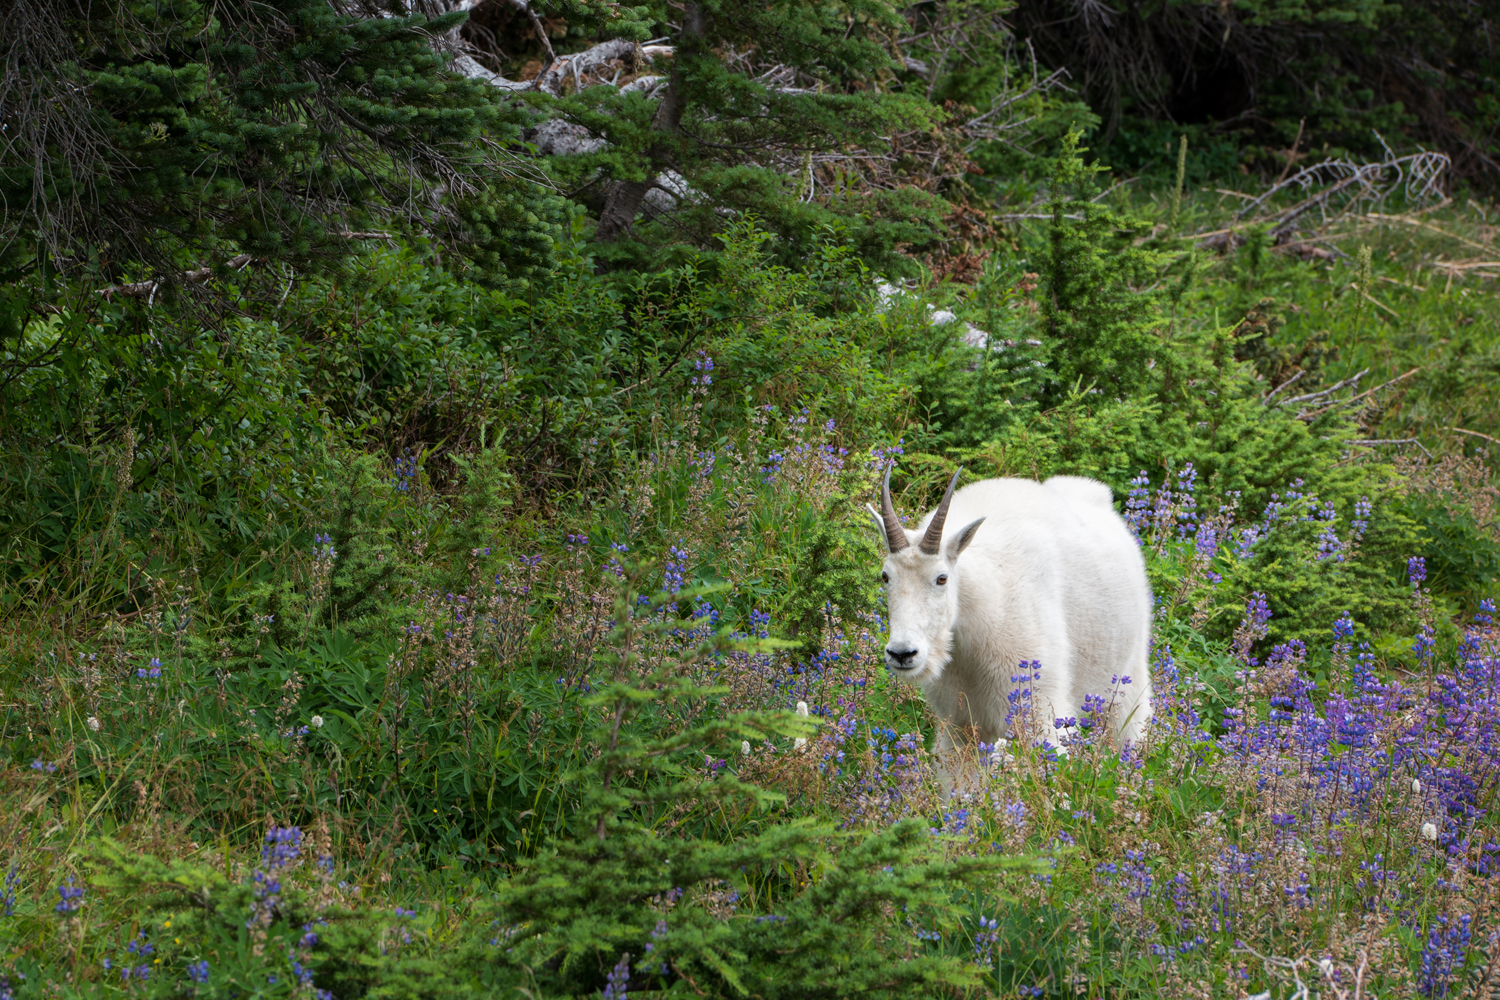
(1056, 561)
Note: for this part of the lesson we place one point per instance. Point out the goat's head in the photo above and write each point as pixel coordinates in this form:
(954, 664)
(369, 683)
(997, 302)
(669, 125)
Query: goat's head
(921, 587)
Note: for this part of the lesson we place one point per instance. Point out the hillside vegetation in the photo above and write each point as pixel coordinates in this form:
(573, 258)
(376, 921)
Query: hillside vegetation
(435, 448)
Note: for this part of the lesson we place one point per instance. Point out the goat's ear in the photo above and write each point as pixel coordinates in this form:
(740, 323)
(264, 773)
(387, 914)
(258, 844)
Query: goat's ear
(879, 526)
(961, 539)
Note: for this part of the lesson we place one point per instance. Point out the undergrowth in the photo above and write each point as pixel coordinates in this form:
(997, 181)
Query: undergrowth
(406, 639)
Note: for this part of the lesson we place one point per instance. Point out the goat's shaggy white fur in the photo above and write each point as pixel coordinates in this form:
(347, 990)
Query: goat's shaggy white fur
(1029, 571)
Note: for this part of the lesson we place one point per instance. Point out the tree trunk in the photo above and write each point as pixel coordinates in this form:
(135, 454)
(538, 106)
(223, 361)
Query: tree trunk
(624, 201)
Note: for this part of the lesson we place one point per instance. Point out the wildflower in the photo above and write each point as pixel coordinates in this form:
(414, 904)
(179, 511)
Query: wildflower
(1416, 785)
(43, 765)
(8, 898)
(406, 471)
(1325, 966)
(1444, 955)
(1429, 831)
(317, 721)
(799, 744)
(93, 723)
(704, 365)
(674, 578)
(744, 748)
(985, 938)
(282, 848)
(618, 980)
(198, 971)
(71, 897)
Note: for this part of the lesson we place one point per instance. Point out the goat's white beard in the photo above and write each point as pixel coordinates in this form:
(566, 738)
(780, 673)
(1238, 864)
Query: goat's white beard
(939, 656)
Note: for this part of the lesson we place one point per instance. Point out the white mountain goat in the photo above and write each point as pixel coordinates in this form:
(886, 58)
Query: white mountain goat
(1053, 576)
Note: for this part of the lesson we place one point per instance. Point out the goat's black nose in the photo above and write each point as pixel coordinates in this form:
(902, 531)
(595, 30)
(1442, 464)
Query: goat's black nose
(901, 656)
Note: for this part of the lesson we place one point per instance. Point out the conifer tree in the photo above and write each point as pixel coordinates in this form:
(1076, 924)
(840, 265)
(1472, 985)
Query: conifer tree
(619, 899)
(1103, 322)
(141, 139)
(757, 97)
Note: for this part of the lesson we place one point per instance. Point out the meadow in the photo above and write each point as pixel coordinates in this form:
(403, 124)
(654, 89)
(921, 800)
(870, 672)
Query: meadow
(414, 639)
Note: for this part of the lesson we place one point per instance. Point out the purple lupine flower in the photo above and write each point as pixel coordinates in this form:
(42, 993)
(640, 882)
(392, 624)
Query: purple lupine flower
(614, 565)
(1138, 505)
(1361, 522)
(198, 971)
(1329, 546)
(1444, 955)
(704, 366)
(406, 471)
(675, 576)
(986, 936)
(618, 981)
(1416, 570)
(71, 897)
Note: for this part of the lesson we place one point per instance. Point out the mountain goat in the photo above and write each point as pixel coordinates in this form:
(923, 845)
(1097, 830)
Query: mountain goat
(1054, 577)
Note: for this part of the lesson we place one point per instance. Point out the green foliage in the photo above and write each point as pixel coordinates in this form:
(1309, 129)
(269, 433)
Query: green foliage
(1463, 556)
(153, 927)
(1330, 76)
(133, 426)
(726, 136)
(1307, 589)
(1101, 327)
(350, 559)
(275, 131)
(812, 913)
(834, 560)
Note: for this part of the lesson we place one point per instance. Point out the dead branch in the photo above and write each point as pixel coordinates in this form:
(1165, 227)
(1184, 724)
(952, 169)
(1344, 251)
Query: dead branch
(147, 289)
(551, 80)
(1325, 392)
(1266, 399)
(1369, 392)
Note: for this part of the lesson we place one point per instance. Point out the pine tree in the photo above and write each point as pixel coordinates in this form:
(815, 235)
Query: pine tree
(144, 139)
(761, 108)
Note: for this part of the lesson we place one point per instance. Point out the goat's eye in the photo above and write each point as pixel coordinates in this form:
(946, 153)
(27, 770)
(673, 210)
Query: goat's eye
(885, 578)
(942, 579)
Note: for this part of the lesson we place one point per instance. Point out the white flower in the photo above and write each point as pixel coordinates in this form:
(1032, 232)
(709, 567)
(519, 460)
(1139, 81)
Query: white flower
(799, 744)
(1416, 785)
(317, 722)
(1429, 831)
(745, 748)
(1325, 966)
(94, 723)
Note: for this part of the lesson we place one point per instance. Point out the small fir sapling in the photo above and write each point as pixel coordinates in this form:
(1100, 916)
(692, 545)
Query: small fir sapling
(1100, 331)
(812, 913)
